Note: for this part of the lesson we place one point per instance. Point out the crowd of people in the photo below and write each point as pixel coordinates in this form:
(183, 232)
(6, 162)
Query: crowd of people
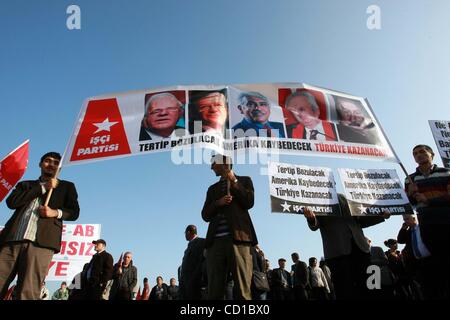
(228, 263)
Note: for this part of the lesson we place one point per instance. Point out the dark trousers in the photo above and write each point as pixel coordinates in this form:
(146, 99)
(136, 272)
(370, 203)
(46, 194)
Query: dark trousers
(318, 293)
(225, 257)
(122, 294)
(437, 238)
(94, 292)
(29, 262)
(300, 293)
(348, 274)
(280, 293)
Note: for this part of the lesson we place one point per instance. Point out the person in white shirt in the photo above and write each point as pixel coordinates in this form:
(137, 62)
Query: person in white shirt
(45, 295)
(317, 280)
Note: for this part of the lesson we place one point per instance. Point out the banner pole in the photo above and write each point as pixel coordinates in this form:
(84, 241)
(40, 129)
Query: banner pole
(389, 142)
(228, 180)
(49, 193)
(406, 173)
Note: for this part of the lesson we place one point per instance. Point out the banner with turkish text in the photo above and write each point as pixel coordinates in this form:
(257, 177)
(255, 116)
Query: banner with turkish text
(287, 118)
(374, 191)
(292, 187)
(77, 249)
(441, 134)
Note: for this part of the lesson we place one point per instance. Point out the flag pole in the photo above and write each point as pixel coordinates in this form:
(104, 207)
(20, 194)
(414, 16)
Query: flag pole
(389, 142)
(228, 180)
(58, 171)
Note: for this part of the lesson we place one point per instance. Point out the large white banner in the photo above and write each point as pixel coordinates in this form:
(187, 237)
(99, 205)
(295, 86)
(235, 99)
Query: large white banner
(289, 118)
(441, 134)
(292, 187)
(77, 249)
(374, 191)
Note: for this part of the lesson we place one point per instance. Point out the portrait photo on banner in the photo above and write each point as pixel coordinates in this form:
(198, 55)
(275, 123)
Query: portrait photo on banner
(306, 114)
(208, 111)
(353, 122)
(164, 115)
(254, 114)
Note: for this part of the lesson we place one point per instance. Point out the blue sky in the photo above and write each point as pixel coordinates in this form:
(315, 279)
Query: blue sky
(144, 203)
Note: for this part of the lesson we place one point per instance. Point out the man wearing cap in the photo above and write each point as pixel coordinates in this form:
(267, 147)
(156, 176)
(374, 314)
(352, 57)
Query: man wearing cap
(33, 233)
(281, 282)
(256, 111)
(99, 271)
(230, 232)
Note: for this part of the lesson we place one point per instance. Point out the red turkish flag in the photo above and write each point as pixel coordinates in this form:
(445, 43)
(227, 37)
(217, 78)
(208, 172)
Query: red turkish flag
(102, 133)
(12, 168)
(138, 295)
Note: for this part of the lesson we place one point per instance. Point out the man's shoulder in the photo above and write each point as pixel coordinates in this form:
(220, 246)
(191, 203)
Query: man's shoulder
(437, 171)
(329, 124)
(198, 240)
(243, 177)
(143, 135)
(66, 183)
(214, 185)
(442, 170)
(245, 180)
(276, 124)
(105, 254)
(28, 182)
(244, 124)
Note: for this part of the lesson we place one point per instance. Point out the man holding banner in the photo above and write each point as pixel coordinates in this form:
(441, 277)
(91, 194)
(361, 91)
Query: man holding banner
(33, 234)
(429, 192)
(346, 250)
(230, 232)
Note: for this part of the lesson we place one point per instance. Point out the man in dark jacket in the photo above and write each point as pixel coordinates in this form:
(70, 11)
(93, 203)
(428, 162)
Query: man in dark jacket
(418, 261)
(345, 248)
(173, 290)
(191, 272)
(281, 282)
(124, 279)
(99, 272)
(299, 272)
(160, 291)
(33, 234)
(230, 232)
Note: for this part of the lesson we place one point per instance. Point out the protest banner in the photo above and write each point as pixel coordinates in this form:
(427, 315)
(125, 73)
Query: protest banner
(441, 134)
(12, 168)
(292, 187)
(77, 249)
(289, 118)
(374, 191)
